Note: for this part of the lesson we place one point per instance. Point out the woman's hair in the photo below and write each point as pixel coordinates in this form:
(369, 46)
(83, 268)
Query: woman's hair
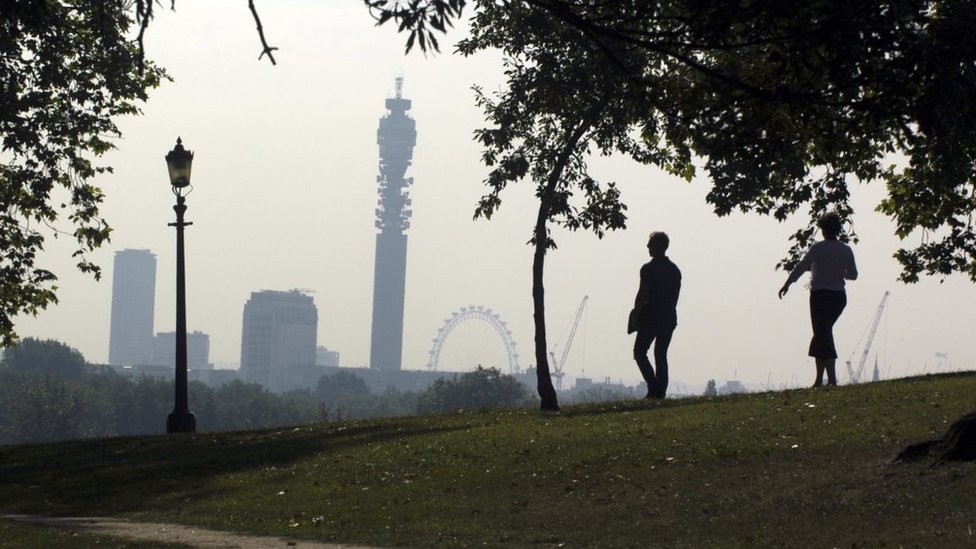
(830, 224)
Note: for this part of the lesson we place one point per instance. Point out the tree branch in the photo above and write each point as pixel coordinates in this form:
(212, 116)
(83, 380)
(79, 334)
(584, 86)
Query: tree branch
(672, 49)
(268, 50)
(144, 12)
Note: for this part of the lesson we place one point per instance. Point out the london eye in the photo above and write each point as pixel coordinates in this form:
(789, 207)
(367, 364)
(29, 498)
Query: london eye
(473, 313)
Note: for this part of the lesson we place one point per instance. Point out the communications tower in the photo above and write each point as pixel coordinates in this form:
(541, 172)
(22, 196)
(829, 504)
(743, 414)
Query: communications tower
(396, 137)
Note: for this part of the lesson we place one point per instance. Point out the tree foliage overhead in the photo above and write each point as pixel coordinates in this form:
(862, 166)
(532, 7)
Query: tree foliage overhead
(67, 70)
(783, 104)
(558, 108)
(786, 103)
(421, 19)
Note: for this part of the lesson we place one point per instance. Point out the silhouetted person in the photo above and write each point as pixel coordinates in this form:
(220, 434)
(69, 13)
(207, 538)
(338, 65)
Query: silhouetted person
(654, 316)
(830, 262)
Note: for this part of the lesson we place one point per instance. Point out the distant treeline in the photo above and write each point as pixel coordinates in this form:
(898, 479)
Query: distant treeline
(48, 393)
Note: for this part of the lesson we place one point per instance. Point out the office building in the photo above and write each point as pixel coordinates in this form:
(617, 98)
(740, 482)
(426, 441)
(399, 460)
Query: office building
(325, 357)
(278, 334)
(133, 301)
(197, 350)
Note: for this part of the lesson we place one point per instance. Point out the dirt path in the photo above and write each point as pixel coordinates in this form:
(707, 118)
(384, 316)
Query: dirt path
(172, 533)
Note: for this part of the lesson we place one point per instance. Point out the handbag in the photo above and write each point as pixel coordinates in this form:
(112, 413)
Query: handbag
(633, 319)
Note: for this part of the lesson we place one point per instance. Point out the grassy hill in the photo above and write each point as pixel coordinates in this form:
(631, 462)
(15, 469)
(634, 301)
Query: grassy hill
(793, 468)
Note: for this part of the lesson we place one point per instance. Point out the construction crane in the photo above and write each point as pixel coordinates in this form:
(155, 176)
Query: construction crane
(855, 376)
(557, 365)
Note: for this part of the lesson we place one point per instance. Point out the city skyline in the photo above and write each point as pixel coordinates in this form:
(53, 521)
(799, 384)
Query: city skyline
(285, 194)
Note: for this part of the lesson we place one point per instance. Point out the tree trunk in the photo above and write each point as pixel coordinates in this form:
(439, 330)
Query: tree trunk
(547, 393)
(958, 444)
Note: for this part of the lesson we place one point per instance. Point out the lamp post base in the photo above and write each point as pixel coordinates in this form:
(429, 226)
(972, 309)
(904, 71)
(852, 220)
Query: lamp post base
(181, 422)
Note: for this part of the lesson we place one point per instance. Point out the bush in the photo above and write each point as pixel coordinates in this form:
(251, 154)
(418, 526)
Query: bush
(482, 388)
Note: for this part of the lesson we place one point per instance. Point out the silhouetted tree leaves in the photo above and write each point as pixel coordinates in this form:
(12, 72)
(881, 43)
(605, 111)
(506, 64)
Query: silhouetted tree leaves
(67, 71)
(418, 18)
(785, 103)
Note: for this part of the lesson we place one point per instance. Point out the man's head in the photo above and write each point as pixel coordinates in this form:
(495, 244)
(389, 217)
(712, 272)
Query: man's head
(657, 244)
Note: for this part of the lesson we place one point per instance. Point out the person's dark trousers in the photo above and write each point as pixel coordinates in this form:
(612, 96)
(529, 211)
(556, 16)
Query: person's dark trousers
(825, 308)
(657, 382)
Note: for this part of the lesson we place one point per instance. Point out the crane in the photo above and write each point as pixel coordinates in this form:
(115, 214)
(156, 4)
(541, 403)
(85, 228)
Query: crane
(855, 377)
(557, 365)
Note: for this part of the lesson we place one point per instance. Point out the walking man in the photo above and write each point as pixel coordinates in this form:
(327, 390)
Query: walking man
(654, 316)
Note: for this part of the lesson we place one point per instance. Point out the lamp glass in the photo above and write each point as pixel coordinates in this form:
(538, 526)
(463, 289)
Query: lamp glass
(179, 161)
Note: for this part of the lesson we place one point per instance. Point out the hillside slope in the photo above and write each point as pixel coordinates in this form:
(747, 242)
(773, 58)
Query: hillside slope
(794, 468)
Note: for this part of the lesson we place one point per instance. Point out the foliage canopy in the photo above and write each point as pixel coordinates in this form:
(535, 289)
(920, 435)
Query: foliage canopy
(67, 70)
(785, 104)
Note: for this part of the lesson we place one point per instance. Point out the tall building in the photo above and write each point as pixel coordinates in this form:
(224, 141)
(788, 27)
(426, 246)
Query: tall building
(279, 333)
(197, 350)
(396, 137)
(133, 302)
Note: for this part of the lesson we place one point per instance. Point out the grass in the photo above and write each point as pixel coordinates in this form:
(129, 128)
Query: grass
(794, 468)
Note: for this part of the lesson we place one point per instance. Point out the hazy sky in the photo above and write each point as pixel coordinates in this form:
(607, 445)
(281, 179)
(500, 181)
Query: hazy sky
(284, 178)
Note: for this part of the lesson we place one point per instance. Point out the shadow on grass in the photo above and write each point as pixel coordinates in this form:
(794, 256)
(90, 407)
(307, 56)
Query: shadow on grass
(616, 407)
(108, 476)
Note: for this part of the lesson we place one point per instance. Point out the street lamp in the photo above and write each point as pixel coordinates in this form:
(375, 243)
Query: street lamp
(179, 161)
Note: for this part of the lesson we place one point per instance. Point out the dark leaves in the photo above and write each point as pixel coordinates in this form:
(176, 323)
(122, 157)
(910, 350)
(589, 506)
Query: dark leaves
(786, 106)
(67, 75)
(418, 18)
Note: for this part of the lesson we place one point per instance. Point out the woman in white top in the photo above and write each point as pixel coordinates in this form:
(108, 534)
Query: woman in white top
(830, 262)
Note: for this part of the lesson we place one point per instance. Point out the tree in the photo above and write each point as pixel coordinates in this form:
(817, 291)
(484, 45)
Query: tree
(241, 405)
(341, 388)
(958, 444)
(48, 408)
(67, 70)
(481, 388)
(710, 389)
(49, 357)
(785, 104)
(561, 102)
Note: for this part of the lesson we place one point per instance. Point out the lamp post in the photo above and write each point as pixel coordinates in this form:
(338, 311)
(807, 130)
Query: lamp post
(179, 161)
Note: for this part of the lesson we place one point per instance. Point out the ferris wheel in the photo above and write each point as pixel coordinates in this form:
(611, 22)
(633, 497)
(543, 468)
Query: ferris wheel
(480, 313)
